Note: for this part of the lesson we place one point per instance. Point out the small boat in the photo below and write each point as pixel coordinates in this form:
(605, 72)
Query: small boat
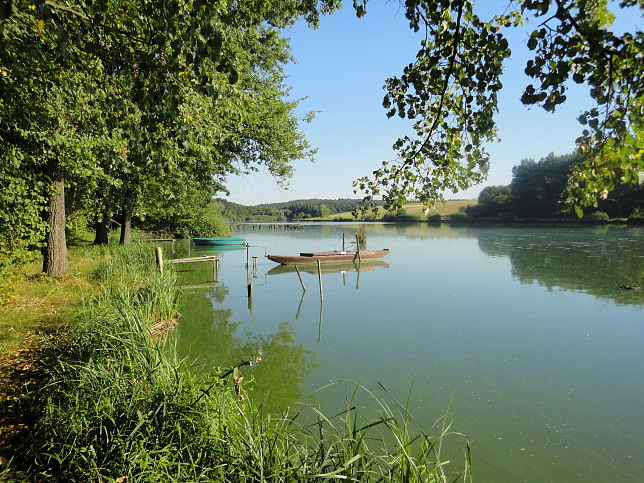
(220, 240)
(327, 257)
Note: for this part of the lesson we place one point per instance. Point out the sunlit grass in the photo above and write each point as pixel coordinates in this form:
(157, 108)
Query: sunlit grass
(417, 210)
(39, 303)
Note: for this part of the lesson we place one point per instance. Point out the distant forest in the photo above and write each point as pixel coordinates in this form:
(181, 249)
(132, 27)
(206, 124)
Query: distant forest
(536, 193)
(289, 210)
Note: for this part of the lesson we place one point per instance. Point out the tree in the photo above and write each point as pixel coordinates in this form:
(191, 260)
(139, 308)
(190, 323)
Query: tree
(450, 93)
(143, 63)
(491, 201)
(537, 186)
(323, 211)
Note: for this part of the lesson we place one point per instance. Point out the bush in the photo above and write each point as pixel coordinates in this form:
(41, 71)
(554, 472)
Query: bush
(459, 217)
(206, 221)
(596, 217)
(434, 218)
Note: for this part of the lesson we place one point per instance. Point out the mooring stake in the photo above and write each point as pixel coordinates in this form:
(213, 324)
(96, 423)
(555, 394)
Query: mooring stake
(300, 277)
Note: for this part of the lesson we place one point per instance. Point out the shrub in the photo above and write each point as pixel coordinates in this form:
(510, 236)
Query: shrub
(459, 217)
(596, 217)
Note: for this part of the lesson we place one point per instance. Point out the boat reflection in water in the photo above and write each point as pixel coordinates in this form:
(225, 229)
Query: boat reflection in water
(336, 267)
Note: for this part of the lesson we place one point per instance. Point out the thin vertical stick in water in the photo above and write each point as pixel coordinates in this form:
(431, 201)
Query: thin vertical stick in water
(300, 277)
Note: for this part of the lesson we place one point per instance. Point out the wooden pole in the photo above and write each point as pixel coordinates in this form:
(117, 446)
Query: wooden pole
(320, 279)
(300, 277)
(159, 256)
(343, 242)
(358, 247)
(250, 290)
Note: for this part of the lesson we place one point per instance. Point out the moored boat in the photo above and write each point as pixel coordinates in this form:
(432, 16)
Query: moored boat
(220, 240)
(329, 257)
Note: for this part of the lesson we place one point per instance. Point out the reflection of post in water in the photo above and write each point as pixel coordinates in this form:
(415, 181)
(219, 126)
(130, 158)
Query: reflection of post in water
(320, 279)
(320, 323)
(299, 307)
(249, 283)
(358, 277)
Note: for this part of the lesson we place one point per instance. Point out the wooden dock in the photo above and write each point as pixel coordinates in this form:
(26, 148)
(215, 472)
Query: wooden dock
(204, 258)
(272, 226)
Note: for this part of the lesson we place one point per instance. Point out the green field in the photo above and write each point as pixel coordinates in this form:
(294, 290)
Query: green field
(417, 209)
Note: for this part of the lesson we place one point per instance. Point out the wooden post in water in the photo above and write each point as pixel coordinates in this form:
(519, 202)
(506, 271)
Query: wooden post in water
(250, 290)
(358, 247)
(159, 256)
(300, 277)
(320, 279)
(343, 242)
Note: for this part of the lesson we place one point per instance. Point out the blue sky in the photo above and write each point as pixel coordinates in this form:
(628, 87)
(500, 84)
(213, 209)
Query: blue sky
(341, 69)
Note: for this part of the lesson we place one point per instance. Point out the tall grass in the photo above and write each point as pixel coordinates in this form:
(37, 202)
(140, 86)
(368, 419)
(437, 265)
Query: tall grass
(116, 407)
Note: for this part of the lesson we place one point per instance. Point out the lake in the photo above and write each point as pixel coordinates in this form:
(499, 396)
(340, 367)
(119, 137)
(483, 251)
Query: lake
(521, 334)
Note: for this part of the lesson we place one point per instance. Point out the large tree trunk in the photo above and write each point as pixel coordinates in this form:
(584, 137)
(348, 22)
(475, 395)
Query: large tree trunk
(102, 231)
(126, 227)
(55, 252)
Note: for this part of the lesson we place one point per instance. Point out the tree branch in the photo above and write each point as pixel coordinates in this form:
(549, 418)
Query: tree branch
(450, 71)
(68, 10)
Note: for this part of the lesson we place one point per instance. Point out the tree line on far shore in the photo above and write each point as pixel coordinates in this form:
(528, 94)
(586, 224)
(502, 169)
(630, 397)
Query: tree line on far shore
(535, 192)
(296, 210)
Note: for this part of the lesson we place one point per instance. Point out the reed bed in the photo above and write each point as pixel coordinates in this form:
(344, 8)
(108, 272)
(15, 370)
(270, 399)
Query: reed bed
(115, 407)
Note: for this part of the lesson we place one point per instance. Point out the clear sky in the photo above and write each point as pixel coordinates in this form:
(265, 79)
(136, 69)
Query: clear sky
(341, 69)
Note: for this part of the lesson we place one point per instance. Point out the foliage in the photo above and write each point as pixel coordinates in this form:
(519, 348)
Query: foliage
(537, 186)
(623, 200)
(460, 217)
(596, 217)
(491, 201)
(289, 210)
(399, 215)
(323, 211)
(124, 105)
(450, 93)
(205, 221)
(535, 192)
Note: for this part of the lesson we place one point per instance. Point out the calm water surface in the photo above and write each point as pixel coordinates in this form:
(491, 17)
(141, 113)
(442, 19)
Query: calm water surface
(522, 334)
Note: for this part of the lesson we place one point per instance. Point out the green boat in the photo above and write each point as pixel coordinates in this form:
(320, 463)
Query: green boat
(220, 240)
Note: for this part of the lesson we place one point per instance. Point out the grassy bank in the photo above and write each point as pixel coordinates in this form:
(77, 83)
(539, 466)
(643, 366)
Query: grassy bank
(107, 403)
(413, 211)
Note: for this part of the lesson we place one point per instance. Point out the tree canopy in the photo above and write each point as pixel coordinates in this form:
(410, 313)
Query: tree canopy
(535, 193)
(450, 93)
(120, 106)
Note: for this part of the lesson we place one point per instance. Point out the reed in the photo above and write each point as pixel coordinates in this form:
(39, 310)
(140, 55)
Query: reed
(116, 407)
